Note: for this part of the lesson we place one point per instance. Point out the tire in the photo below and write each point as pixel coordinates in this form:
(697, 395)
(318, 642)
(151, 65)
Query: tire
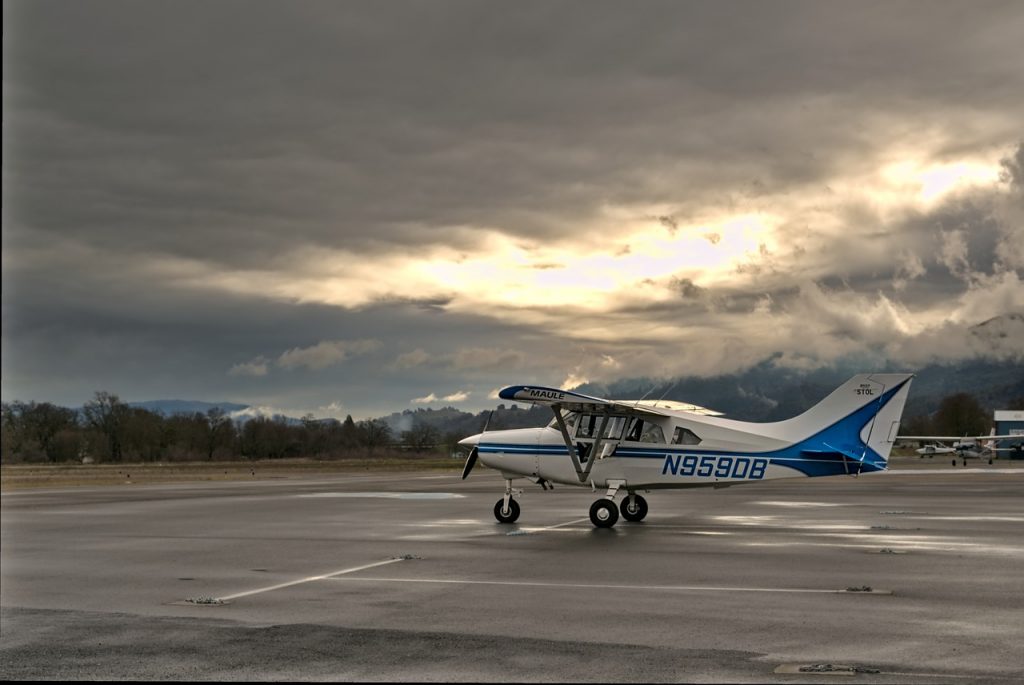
(506, 517)
(604, 513)
(634, 508)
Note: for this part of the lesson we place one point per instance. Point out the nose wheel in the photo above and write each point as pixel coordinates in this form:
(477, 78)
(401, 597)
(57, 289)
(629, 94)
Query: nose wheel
(506, 509)
(506, 513)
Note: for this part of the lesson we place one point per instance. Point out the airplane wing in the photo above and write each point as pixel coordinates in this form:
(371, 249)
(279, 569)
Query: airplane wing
(578, 402)
(566, 400)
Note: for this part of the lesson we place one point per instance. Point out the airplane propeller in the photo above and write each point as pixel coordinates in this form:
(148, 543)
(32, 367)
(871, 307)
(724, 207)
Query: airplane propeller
(473, 453)
(470, 462)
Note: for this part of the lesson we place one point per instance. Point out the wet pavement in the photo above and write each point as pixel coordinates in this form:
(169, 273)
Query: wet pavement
(907, 576)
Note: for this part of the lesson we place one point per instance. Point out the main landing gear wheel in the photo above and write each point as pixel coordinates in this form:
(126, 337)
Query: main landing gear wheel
(604, 513)
(506, 515)
(634, 508)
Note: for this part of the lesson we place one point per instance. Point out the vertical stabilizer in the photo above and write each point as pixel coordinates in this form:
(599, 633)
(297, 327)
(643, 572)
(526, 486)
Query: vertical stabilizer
(858, 393)
(880, 435)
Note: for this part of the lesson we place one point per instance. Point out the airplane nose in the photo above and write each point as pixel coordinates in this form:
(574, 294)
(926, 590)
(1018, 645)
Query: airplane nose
(471, 441)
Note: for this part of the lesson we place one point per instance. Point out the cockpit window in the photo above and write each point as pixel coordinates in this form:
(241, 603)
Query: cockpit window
(613, 431)
(652, 433)
(684, 436)
(589, 424)
(644, 431)
(628, 428)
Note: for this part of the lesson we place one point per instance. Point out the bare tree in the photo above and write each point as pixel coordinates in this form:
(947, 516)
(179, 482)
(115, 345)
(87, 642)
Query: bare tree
(422, 437)
(374, 433)
(219, 430)
(44, 421)
(961, 414)
(106, 413)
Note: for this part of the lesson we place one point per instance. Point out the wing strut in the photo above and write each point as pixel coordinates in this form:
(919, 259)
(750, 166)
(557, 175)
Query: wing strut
(582, 471)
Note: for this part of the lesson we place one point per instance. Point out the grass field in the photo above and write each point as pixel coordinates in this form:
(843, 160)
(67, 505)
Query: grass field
(20, 476)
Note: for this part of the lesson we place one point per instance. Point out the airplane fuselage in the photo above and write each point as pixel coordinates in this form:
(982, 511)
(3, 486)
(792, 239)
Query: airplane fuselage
(730, 452)
(636, 447)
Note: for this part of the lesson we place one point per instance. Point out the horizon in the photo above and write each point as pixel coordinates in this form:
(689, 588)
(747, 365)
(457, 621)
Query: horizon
(744, 390)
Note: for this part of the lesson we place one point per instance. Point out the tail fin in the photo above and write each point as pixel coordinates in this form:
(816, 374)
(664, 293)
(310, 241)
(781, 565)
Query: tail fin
(860, 419)
(881, 433)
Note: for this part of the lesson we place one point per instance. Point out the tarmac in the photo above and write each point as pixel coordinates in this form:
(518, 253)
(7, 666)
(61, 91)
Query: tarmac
(909, 576)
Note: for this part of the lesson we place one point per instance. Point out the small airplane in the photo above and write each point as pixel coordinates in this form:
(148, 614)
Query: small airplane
(966, 447)
(642, 445)
(931, 449)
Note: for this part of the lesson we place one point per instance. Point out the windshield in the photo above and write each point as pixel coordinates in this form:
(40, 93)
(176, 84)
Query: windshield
(570, 421)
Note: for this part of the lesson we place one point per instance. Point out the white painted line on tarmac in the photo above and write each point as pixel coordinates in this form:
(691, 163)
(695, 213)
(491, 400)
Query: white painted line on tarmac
(599, 586)
(557, 525)
(986, 676)
(381, 495)
(310, 579)
(950, 471)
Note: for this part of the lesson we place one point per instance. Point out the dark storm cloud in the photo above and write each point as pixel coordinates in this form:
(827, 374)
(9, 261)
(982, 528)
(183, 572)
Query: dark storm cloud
(146, 142)
(227, 130)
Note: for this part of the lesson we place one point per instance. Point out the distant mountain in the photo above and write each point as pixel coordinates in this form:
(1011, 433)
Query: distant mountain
(770, 393)
(763, 393)
(173, 407)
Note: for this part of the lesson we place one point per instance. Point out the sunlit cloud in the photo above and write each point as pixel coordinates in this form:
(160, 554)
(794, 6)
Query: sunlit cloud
(600, 270)
(933, 181)
(458, 396)
(573, 381)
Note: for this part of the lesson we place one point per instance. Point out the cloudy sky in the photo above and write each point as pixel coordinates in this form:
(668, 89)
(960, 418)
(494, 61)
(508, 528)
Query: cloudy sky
(362, 207)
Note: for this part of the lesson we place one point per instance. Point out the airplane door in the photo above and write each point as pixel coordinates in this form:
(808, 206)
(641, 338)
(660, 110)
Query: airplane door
(587, 436)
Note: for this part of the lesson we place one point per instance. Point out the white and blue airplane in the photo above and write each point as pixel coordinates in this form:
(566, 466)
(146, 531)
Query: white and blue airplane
(635, 446)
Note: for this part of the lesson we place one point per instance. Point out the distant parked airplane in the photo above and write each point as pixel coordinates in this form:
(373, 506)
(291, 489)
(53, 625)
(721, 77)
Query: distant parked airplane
(966, 447)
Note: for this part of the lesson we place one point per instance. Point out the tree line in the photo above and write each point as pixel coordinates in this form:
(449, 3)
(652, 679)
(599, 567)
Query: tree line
(960, 414)
(107, 429)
